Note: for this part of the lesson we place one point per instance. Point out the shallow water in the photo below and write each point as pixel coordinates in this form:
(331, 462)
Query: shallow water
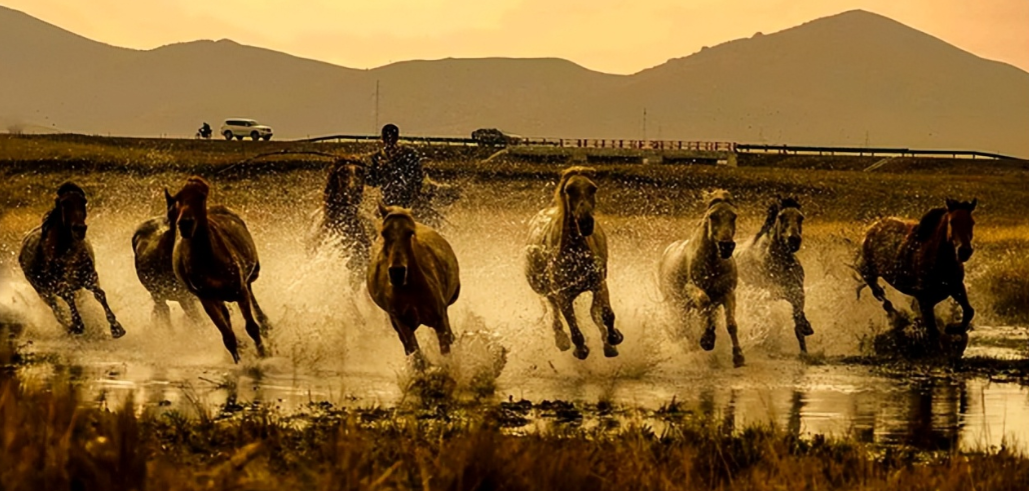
(333, 345)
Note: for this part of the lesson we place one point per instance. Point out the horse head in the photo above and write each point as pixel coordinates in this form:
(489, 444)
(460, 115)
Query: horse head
(190, 206)
(959, 226)
(720, 222)
(577, 196)
(69, 212)
(789, 222)
(345, 186)
(397, 231)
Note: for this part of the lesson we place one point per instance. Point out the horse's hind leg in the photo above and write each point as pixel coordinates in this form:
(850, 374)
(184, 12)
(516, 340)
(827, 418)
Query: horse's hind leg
(730, 325)
(76, 326)
(161, 314)
(117, 330)
(219, 314)
(560, 337)
(189, 306)
(252, 327)
(604, 318)
(568, 311)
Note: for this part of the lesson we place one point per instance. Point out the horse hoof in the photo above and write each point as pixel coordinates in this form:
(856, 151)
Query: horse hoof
(707, 341)
(737, 358)
(235, 357)
(615, 337)
(418, 361)
(804, 328)
(77, 329)
(562, 341)
(581, 352)
(610, 351)
(117, 331)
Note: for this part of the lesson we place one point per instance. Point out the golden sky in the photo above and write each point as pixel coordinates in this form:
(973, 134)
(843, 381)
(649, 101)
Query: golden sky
(617, 36)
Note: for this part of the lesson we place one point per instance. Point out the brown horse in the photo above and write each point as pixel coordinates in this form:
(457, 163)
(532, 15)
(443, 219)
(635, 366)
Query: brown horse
(414, 277)
(342, 222)
(58, 261)
(153, 244)
(699, 274)
(567, 256)
(215, 258)
(770, 261)
(923, 259)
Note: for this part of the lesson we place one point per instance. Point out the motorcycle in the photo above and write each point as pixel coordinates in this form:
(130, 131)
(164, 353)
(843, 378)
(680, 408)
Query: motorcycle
(204, 132)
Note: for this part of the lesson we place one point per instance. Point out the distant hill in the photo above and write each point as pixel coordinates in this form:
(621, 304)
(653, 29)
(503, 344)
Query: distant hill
(849, 79)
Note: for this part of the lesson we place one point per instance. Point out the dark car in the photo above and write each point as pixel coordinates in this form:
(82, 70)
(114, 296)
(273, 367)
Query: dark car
(495, 137)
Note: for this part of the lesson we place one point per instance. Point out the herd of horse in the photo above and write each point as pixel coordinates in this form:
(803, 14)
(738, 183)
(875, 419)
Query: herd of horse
(202, 253)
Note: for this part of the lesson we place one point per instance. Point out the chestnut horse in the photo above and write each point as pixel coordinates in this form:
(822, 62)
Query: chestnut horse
(153, 244)
(567, 256)
(923, 259)
(58, 260)
(414, 277)
(770, 262)
(341, 221)
(215, 258)
(699, 274)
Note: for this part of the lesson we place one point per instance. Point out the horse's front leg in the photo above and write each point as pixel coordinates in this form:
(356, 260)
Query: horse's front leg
(62, 318)
(410, 342)
(220, 316)
(729, 304)
(967, 312)
(698, 299)
(188, 303)
(443, 332)
(567, 307)
(246, 307)
(801, 326)
(560, 337)
(927, 309)
(161, 314)
(117, 330)
(604, 318)
(76, 326)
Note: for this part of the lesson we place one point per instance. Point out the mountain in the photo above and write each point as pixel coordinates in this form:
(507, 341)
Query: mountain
(849, 79)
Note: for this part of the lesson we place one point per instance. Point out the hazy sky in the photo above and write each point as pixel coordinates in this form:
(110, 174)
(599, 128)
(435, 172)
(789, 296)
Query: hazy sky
(618, 36)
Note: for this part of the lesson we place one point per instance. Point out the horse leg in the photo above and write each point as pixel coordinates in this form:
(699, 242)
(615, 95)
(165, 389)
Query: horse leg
(410, 342)
(444, 334)
(161, 314)
(262, 319)
(604, 318)
(189, 306)
(967, 312)
(927, 310)
(801, 326)
(567, 307)
(62, 319)
(218, 313)
(729, 304)
(76, 326)
(872, 280)
(560, 337)
(94, 286)
(699, 300)
(245, 303)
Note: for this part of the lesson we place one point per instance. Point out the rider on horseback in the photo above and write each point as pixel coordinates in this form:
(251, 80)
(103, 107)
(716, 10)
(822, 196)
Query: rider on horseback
(397, 171)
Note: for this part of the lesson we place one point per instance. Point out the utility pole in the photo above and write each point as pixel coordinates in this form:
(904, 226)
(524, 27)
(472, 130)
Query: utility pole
(376, 130)
(644, 124)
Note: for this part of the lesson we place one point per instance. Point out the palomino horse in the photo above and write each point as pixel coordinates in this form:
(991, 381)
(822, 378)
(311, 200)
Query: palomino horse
(153, 244)
(414, 277)
(770, 263)
(342, 221)
(923, 259)
(215, 258)
(567, 256)
(699, 274)
(58, 260)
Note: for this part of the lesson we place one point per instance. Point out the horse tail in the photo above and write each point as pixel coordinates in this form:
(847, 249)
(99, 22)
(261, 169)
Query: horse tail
(773, 212)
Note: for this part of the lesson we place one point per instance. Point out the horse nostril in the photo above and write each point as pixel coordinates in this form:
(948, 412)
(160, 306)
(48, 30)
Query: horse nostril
(726, 248)
(398, 275)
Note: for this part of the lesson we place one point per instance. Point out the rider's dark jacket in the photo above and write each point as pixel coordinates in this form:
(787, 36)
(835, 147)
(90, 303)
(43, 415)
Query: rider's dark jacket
(398, 172)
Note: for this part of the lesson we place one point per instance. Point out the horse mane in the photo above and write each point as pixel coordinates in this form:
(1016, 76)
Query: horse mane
(52, 218)
(773, 213)
(719, 196)
(197, 184)
(927, 224)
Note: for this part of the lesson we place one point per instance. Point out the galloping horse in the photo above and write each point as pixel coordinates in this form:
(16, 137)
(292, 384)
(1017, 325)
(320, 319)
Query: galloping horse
(215, 258)
(414, 277)
(341, 218)
(699, 274)
(58, 260)
(923, 259)
(567, 256)
(153, 244)
(770, 263)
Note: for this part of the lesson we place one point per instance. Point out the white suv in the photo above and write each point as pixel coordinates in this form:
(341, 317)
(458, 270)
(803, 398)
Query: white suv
(241, 128)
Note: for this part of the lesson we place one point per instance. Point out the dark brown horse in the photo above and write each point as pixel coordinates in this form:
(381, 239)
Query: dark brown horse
(341, 221)
(58, 261)
(770, 261)
(414, 277)
(153, 244)
(923, 259)
(699, 274)
(566, 256)
(215, 258)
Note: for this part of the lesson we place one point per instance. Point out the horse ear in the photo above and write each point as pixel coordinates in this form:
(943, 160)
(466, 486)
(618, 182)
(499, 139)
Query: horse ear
(951, 204)
(168, 199)
(975, 201)
(383, 211)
